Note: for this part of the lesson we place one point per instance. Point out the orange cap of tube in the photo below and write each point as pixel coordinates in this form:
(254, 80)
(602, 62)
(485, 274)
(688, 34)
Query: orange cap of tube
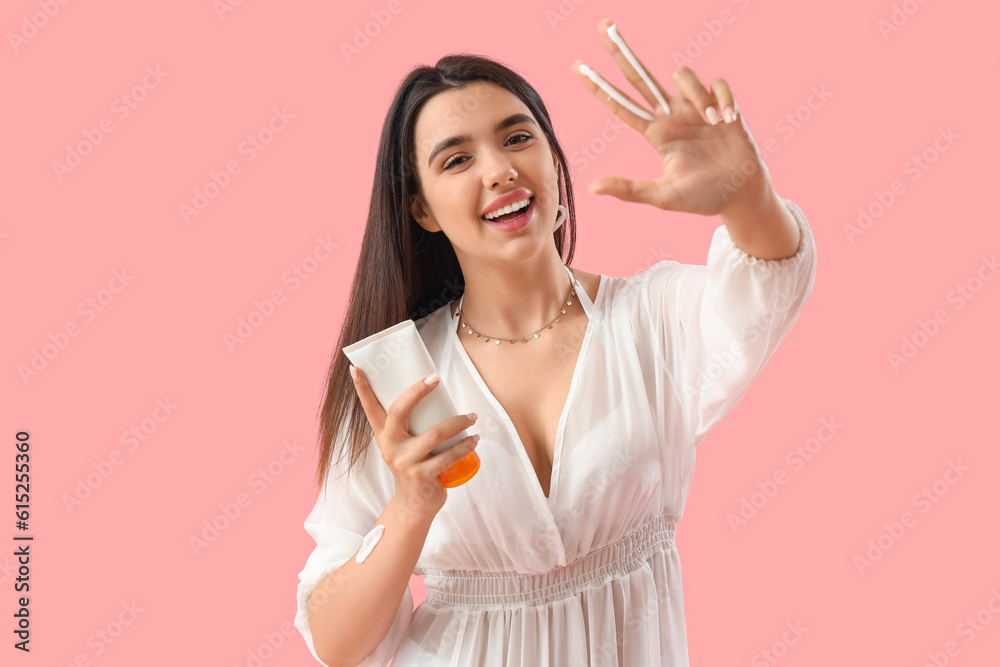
(460, 472)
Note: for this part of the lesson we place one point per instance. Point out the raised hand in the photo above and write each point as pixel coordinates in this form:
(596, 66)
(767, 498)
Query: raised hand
(711, 163)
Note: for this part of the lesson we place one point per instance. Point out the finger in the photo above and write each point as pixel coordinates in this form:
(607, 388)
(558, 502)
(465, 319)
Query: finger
(369, 403)
(727, 103)
(441, 462)
(643, 192)
(442, 431)
(618, 102)
(692, 89)
(398, 414)
(632, 67)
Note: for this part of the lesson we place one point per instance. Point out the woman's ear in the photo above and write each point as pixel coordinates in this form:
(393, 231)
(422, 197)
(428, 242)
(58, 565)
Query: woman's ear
(422, 215)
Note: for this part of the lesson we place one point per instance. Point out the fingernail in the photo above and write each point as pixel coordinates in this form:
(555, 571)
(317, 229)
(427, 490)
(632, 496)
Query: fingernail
(472, 415)
(354, 373)
(432, 378)
(713, 115)
(729, 115)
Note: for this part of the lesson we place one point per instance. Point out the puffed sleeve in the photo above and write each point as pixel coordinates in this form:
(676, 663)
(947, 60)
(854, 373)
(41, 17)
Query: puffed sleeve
(345, 512)
(713, 327)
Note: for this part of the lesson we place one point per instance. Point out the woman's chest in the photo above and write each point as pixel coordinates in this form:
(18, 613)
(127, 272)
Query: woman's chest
(532, 385)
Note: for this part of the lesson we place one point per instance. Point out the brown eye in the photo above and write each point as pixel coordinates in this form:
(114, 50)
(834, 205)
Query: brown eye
(451, 161)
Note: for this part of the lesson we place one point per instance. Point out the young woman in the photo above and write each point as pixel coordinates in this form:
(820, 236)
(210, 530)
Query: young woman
(589, 392)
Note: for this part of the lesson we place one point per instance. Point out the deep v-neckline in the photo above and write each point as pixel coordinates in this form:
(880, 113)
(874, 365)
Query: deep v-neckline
(590, 310)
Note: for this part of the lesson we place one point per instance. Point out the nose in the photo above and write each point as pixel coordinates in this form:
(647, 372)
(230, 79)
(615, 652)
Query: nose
(499, 170)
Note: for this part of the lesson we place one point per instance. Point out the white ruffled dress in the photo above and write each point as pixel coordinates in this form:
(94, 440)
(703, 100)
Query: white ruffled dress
(590, 575)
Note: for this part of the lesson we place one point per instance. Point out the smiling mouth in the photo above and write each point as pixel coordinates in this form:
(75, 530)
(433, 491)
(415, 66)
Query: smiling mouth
(513, 215)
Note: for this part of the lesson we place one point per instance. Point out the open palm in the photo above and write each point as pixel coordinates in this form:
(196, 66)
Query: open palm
(706, 167)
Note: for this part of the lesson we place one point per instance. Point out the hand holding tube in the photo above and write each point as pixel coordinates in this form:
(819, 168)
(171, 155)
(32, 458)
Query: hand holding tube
(410, 458)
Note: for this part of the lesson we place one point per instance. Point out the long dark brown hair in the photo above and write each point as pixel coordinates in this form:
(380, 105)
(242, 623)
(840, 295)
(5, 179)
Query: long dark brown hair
(404, 271)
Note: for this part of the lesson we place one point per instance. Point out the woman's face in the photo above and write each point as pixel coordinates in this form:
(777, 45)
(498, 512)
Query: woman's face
(474, 145)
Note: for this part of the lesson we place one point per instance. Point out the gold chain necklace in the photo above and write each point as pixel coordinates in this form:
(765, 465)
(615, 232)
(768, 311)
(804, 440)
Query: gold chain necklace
(524, 339)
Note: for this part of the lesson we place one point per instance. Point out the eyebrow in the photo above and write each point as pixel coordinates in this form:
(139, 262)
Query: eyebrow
(513, 119)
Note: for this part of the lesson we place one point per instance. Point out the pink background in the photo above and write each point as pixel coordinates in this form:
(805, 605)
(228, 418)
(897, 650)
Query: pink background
(161, 337)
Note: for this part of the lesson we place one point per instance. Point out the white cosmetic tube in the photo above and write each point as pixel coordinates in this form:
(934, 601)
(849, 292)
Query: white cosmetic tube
(393, 360)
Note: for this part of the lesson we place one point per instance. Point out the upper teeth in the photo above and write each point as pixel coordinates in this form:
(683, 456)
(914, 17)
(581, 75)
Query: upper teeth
(510, 208)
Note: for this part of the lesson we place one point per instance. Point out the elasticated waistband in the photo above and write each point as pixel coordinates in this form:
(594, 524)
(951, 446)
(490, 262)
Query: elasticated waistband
(482, 590)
